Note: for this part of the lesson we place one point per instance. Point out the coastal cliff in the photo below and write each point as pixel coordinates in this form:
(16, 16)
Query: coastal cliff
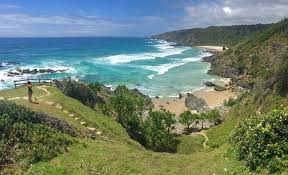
(257, 62)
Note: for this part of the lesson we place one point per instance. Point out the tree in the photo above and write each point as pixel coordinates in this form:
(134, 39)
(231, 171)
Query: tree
(202, 118)
(214, 116)
(156, 130)
(129, 107)
(187, 118)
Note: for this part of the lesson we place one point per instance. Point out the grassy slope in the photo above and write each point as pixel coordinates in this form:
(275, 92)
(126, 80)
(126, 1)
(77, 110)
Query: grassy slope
(119, 154)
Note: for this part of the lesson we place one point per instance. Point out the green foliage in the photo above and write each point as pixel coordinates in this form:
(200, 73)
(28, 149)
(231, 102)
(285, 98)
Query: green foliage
(96, 86)
(222, 35)
(154, 133)
(230, 102)
(214, 116)
(129, 107)
(156, 130)
(78, 91)
(282, 77)
(262, 140)
(187, 118)
(29, 136)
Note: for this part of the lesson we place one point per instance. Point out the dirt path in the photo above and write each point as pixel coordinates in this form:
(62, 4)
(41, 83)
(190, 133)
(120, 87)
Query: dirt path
(44, 88)
(204, 135)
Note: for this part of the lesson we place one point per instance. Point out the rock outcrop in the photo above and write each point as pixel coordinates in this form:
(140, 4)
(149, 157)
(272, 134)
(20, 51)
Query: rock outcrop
(194, 103)
(19, 71)
(79, 91)
(219, 88)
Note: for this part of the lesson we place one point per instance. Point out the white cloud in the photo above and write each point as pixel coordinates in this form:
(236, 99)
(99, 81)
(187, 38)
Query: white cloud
(227, 10)
(230, 12)
(194, 14)
(79, 25)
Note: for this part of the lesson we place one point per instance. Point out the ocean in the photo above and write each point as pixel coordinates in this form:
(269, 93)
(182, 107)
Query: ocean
(155, 67)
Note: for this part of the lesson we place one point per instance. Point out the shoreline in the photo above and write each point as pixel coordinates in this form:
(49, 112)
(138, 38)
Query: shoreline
(212, 97)
(212, 49)
(176, 105)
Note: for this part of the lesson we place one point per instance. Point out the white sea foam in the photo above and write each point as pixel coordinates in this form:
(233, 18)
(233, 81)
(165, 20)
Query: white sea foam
(162, 69)
(151, 76)
(164, 49)
(4, 64)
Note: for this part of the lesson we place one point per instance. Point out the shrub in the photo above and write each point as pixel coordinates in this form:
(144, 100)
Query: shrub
(187, 118)
(30, 137)
(79, 92)
(157, 132)
(262, 140)
(129, 107)
(95, 86)
(230, 102)
(214, 116)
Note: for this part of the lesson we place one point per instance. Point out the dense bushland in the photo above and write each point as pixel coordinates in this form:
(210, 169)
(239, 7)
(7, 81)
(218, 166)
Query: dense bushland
(222, 35)
(133, 111)
(27, 137)
(262, 141)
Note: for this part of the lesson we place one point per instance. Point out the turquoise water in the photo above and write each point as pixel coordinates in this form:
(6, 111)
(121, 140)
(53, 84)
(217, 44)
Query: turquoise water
(156, 67)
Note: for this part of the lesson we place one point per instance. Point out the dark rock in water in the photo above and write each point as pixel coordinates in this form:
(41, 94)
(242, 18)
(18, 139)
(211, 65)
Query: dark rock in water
(35, 71)
(180, 96)
(209, 84)
(47, 71)
(157, 97)
(194, 103)
(219, 88)
(12, 74)
(209, 59)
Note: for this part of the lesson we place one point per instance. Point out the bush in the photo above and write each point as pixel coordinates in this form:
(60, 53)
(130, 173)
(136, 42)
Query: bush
(187, 118)
(79, 92)
(157, 132)
(95, 86)
(129, 107)
(30, 137)
(214, 116)
(262, 140)
(230, 102)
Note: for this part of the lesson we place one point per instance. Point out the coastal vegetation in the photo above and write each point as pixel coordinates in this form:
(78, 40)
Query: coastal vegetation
(262, 141)
(188, 118)
(91, 128)
(216, 35)
(29, 137)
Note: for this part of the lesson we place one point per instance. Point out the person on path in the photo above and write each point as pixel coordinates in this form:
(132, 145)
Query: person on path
(30, 92)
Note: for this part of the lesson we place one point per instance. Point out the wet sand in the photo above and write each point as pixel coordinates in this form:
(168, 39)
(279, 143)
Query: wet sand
(212, 48)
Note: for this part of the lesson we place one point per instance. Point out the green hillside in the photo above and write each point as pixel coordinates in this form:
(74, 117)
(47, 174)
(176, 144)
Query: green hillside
(259, 62)
(222, 35)
(113, 152)
(62, 135)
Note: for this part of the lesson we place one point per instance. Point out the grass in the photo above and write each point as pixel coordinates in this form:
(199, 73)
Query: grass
(189, 146)
(119, 154)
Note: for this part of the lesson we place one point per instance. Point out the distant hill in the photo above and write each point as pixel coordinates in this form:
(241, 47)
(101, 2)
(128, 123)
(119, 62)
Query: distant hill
(224, 35)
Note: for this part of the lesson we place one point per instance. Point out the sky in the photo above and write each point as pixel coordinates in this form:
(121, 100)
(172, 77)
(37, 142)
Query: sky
(61, 18)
